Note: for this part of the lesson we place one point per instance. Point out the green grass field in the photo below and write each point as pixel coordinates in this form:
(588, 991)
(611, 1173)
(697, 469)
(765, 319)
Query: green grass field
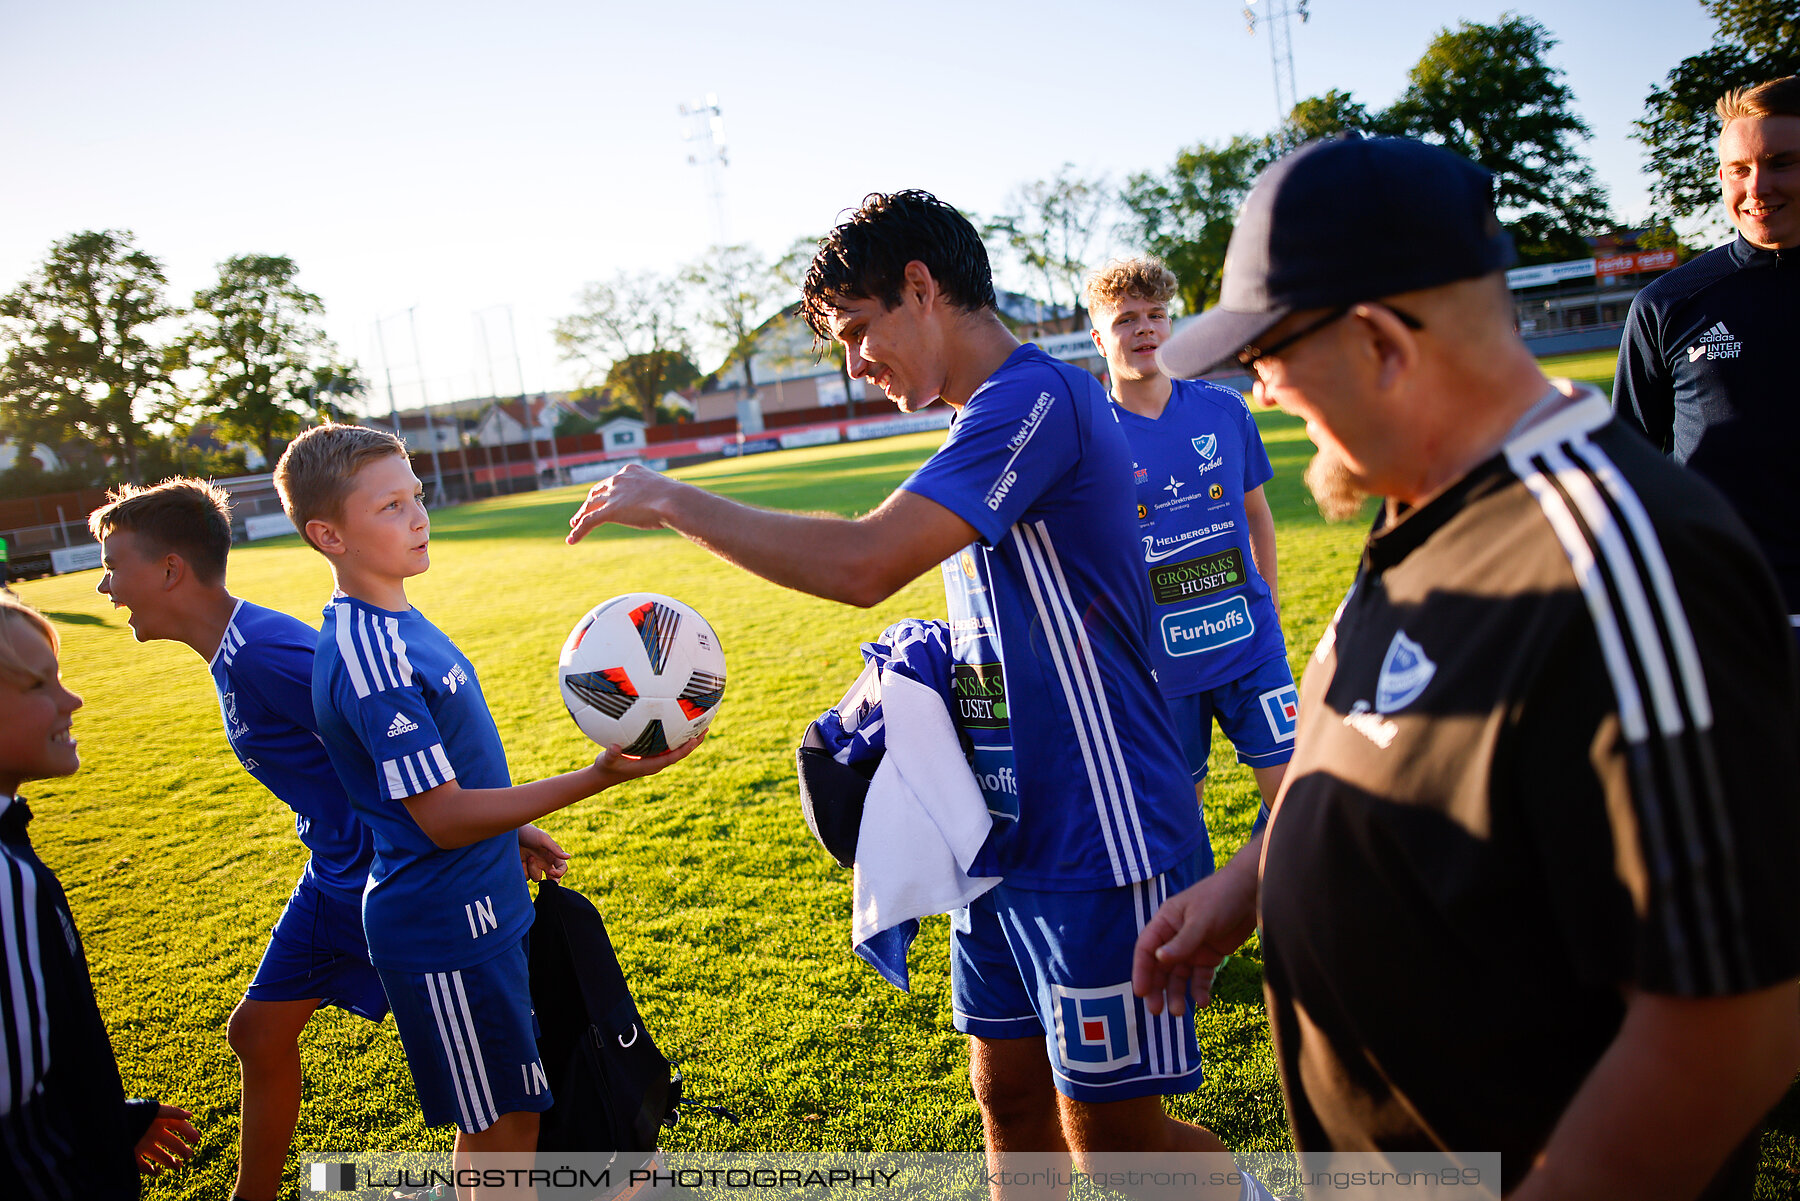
(1590, 367)
(732, 924)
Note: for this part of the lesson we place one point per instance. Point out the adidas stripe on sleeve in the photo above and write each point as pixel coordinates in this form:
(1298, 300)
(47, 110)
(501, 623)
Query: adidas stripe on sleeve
(1686, 769)
(386, 706)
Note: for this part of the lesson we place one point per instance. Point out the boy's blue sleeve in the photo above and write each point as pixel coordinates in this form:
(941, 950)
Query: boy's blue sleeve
(1257, 470)
(391, 719)
(279, 676)
(1009, 446)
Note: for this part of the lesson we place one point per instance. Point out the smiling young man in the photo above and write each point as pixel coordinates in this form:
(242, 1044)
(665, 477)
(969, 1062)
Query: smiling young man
(164, 552)
(1207, 533)
(1027, 511)
(1532, 884)
(1706, 368)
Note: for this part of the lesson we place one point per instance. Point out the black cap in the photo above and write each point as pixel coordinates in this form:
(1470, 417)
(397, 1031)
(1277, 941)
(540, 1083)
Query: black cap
(1337, 222)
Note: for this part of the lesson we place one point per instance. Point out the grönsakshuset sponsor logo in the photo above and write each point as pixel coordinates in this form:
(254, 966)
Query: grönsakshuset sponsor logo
(979, 690)
(1203, 575)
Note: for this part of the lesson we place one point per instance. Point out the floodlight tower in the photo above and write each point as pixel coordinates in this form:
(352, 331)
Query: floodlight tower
(1274, 15)
(704, 130)
(530, 424)
(437, 471)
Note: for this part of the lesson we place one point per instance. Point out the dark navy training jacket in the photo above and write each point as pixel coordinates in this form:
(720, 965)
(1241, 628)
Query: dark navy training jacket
(1707, 371)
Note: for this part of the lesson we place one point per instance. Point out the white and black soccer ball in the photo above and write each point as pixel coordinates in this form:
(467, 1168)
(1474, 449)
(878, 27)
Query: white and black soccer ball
(642, 671)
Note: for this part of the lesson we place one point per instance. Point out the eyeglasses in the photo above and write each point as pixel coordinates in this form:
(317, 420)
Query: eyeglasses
(1248, 356)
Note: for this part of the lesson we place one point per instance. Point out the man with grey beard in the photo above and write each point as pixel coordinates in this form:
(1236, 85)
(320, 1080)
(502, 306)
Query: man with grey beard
(1532, 883)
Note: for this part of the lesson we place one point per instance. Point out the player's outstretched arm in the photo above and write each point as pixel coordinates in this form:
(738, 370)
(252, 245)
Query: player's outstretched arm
(859, 561)
(453, 816)
(1193, 932)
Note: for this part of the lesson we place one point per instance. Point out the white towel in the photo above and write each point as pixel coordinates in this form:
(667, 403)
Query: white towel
(924, 820)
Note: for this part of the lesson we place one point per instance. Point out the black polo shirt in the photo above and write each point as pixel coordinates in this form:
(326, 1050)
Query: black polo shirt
(67, 1131)
(1546, 752)
(1709, 371)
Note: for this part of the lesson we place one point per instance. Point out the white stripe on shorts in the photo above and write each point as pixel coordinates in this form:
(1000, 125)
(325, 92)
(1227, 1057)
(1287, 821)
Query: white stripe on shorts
(451, 1042)
(487, 1094)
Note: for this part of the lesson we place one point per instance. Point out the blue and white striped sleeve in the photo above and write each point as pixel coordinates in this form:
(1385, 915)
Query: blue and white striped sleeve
(384, 701)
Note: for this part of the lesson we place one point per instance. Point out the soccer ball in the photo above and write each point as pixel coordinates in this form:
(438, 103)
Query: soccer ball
(642, 671)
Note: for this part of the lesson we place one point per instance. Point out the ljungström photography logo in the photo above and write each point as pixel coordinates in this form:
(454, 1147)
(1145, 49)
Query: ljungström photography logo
(333, 1178)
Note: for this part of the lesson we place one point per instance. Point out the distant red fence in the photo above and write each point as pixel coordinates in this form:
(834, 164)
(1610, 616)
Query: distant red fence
(41, 510)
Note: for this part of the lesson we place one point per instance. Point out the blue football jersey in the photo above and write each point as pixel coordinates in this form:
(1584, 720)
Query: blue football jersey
(1213, 618)
(401, 712)
(263, 674)
(1075, 750)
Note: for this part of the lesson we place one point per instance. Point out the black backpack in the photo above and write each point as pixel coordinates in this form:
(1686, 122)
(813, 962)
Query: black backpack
(612, 1088)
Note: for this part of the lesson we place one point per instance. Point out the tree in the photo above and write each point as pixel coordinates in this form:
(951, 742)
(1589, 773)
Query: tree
(1319, 117)
(1756, 40)
(629, 331)
(1048, 227)
(1486, 92)
(734, 288)
(795, 261)
(79, 362)
(672, 371)
(791, 269)
(1186, 215)
(261, 357)
(333, 384)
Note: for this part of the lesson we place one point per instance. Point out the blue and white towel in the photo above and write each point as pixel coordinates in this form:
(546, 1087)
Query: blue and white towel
(924, 818)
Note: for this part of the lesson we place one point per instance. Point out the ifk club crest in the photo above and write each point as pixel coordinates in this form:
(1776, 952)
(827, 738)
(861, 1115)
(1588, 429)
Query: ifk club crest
(1207, 445)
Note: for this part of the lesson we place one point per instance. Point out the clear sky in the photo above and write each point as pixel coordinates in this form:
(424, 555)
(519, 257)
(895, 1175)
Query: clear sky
(451, 157)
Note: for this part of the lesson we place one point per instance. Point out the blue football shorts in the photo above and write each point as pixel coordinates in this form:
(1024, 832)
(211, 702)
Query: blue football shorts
(471, 1040)
(1057, 965)
(317, 952)
(1257, 711)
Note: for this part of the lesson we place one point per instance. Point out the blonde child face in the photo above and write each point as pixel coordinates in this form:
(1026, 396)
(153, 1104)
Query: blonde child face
(37, 739)
(385, 526)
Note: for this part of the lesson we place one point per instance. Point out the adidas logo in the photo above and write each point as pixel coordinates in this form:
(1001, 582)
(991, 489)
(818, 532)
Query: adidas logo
(1716, 343)
(400, 725)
